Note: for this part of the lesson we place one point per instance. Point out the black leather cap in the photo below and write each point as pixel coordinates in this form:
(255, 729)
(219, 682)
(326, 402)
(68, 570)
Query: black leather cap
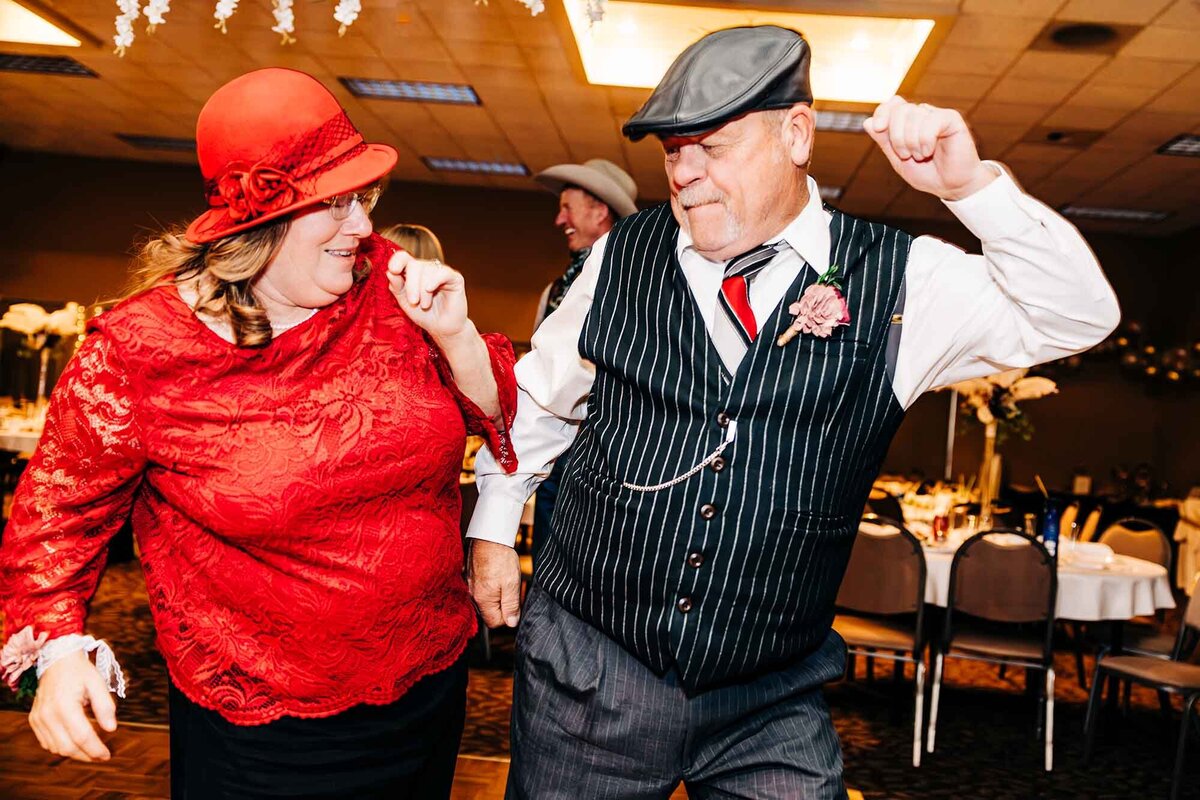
(726, 74)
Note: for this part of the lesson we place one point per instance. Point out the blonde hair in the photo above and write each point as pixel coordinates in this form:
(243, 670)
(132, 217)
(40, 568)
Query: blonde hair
(224, 272)
(416, 239)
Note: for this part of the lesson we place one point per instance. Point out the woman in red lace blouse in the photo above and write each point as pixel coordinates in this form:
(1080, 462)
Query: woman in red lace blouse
(282, 411)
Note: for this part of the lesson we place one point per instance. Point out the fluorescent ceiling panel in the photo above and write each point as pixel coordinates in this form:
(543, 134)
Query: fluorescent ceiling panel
(420, 91)
(854, 59)
(1114, 214)
(19, 24)
(1185, 144)
(479, 167)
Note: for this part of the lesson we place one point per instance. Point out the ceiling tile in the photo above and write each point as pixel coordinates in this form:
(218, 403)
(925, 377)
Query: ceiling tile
(1012, 8)
(1180, 14)
(1084, 117)
(1097, 95)
(988, 31)
(954, 86)
(1051, 66)
(1164, 44)
(992, 112)
(1181, 97)
(1145, 73)
(1011, 89)
(960, 60)
(1125, 12)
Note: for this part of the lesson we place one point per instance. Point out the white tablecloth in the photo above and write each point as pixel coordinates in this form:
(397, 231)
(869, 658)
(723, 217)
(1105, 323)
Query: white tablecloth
(19, 435)
(1126, 588)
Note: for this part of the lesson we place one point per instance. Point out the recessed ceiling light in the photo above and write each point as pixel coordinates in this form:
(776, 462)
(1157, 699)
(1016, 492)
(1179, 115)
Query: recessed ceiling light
(478, 167)
(854, 59)
(46, 65)
(1114, 214)
(1185, 144)
(418, 91)
(830, 193)
(19, 24)
(158, 142)
(841, 121)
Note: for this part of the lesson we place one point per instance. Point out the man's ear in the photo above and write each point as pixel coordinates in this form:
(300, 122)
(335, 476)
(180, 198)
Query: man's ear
(799, 125)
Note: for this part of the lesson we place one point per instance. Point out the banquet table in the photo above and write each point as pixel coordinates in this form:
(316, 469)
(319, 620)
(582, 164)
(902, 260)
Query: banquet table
(1125, 588)
(19, 434)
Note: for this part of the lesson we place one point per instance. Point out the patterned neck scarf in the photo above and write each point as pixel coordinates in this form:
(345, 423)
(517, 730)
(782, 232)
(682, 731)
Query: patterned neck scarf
(558, 289)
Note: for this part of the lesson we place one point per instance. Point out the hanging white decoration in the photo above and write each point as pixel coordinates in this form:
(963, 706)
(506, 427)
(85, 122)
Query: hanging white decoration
(155, 11)
(535, 6)
(285, 20)
(345, 13)
(224, 11)
(124, 24)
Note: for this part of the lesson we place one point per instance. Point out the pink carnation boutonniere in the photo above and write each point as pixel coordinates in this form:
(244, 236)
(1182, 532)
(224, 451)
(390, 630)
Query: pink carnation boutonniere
(819, 310)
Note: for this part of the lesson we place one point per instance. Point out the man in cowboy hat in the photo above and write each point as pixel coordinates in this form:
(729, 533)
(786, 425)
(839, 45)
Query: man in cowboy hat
(592, 196)
(729, 371)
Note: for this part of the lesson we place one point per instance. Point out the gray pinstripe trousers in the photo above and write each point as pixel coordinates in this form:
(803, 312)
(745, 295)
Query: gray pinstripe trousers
(590, 721)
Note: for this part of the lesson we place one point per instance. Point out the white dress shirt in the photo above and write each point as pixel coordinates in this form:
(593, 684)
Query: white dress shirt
(1036, 294)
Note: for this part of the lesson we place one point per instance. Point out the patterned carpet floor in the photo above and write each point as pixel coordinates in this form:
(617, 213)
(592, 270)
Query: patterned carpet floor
(986, 745)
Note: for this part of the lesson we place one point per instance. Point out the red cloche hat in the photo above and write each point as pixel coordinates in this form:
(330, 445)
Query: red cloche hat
(273, 141)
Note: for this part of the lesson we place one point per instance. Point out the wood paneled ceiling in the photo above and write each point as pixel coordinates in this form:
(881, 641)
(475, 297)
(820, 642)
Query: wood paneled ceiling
(989, 58)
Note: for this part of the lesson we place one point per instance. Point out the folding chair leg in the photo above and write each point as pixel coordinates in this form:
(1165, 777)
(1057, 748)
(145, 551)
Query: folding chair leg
(1181, 749)
(933, 705)
(1049, 703)
(918, 713)
(851, 666)
(1125, 702)
(1164, 703)
(1080, 667)
(1092, 718)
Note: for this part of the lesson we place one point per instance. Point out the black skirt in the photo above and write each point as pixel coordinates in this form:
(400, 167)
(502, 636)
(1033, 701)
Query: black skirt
(406, 749)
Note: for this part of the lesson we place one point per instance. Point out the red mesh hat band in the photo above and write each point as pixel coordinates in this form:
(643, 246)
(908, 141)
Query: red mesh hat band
(286, 174)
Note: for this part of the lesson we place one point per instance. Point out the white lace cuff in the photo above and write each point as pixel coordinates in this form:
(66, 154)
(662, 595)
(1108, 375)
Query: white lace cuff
(106, 662)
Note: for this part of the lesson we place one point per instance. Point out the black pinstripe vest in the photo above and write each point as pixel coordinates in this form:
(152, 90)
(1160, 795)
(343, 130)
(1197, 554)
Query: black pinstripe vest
(734, 570)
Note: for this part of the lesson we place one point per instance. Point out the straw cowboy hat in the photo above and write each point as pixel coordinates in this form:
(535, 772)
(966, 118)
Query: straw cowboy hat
(602, 178)
(271, 142)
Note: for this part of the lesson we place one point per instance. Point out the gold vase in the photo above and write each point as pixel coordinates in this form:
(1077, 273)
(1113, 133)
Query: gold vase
(989, 476)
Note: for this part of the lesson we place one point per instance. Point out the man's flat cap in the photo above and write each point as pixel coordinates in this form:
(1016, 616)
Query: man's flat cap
(726, 74)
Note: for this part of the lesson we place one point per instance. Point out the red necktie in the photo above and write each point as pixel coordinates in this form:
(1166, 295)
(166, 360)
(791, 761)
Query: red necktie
(735, 289)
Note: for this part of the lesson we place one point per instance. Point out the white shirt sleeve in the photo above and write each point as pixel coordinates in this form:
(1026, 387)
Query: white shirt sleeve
(553, 386)
(543, 301)
(1036, 294)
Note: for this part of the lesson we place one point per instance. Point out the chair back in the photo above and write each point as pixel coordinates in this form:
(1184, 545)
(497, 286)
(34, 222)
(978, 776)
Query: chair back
(884, 505)
(1067, 521)
(886, 573)
(1088, 532)
(1003, 575)
(1189, 627)
(1138, 538)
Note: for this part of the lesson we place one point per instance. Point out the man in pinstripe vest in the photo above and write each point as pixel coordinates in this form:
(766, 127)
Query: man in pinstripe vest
(730, 369)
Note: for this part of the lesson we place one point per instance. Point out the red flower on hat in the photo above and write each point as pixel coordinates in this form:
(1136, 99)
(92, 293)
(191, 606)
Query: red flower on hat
(249, 192)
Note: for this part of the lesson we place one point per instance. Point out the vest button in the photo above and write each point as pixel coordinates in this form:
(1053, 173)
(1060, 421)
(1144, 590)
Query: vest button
(695, 560)
(722, 419)
(719, 463)
(684, 604)
(708, 511)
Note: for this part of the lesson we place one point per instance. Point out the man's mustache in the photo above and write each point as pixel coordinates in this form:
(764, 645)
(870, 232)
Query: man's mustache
(692, 196)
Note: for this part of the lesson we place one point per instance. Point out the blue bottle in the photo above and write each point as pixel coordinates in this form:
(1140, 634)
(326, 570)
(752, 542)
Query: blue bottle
(1050, 527)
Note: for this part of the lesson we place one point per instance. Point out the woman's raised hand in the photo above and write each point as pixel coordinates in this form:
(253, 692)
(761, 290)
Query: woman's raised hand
(432, 295)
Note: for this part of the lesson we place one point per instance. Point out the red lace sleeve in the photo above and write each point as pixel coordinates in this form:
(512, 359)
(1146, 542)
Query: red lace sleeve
(74, 495)
(498, 438)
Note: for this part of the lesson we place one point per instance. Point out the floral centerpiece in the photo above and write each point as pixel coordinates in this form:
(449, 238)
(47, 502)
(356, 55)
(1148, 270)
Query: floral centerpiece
(993, 401)
(42, 331)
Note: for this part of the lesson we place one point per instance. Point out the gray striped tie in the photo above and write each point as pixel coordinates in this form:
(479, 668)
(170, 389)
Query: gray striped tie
(734, 326)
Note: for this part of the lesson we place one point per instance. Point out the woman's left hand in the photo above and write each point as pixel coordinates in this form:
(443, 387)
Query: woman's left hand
(432, 295)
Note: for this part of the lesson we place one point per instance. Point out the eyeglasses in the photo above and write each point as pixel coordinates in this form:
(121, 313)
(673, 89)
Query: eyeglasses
(341, 206)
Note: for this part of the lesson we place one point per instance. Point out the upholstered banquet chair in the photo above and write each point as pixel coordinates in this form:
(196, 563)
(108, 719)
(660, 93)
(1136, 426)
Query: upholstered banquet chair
(882, 604)
(1138, 538)
(1171, 676)
(1002, 582)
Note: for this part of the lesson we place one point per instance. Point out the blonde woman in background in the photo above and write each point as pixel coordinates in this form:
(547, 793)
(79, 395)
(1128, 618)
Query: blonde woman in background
(416, 239)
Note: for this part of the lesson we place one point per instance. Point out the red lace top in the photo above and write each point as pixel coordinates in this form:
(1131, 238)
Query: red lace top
(296, 506)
